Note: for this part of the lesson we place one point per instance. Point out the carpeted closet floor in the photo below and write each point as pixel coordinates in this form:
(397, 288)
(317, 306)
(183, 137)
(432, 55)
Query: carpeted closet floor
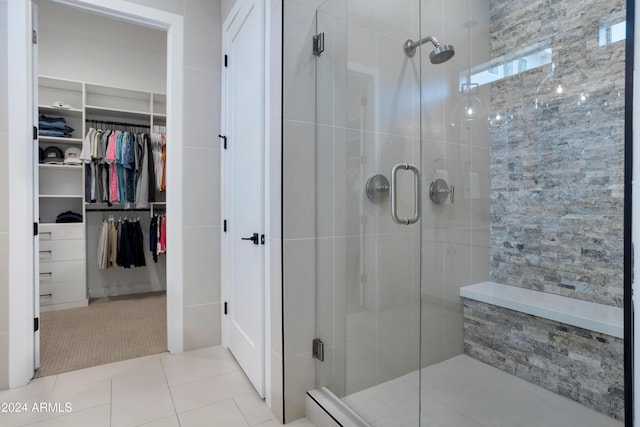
(107, 330)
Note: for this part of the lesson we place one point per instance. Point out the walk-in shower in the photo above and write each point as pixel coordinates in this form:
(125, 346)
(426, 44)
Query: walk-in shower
(438, 310)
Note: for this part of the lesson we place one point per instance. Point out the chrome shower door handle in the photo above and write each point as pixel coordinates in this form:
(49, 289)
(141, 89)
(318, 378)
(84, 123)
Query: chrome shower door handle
(394, 197)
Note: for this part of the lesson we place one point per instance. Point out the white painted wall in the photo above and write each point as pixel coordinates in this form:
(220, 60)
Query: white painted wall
(4, 199)
(77, 45)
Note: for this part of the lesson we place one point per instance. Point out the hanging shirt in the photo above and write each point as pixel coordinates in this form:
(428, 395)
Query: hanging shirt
(119, 169)
(129, 164)
(104, 167)
(163, 185)
(153, 237)
(151, 169)
(157, 159)
(85, 154)
(103, 241)
(112, 150)
(142, 173)
(113, 245)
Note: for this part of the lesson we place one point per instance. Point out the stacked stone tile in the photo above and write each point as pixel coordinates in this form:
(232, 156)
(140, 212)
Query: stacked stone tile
(557, 177)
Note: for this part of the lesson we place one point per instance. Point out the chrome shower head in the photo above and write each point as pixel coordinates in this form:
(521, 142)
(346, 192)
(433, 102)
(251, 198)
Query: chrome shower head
(440, 54)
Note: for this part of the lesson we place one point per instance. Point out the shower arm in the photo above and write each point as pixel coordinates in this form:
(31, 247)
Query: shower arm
(410, 46)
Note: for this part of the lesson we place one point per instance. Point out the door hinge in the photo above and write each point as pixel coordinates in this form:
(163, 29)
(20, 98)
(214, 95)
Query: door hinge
(318, 349)
(34, 36)
(225, 308)
(318, 44)
(262, 239)
(224, 225)
(35, 228)
(36, 324)
(226, 60)
(224, 139)
(35, 133)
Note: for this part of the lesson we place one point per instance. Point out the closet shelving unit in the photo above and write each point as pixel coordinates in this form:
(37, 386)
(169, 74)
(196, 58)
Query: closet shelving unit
(63, 247)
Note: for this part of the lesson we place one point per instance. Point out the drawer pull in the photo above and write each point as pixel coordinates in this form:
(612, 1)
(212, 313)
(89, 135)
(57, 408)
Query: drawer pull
(46, 252)
(47, 274)
(46, 295)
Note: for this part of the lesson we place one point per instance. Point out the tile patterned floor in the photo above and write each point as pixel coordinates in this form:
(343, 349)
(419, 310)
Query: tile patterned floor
(199, 388)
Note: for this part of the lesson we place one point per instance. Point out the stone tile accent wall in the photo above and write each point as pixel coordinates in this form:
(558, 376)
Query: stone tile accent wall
(583, 365)
(557, 170)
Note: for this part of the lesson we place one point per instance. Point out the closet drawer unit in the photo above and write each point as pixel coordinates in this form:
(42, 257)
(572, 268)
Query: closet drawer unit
(62, 271)
(61, 231)
(62, 293)
(62, 250)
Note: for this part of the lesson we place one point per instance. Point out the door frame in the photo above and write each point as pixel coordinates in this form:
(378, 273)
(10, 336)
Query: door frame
(224, 241)
(21, 347)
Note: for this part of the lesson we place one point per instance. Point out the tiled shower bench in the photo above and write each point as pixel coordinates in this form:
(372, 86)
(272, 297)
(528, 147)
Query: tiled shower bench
(569, 346)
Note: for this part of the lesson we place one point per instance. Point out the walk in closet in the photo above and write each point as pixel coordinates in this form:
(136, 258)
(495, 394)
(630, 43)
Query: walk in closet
(101, 192)
(66, 186)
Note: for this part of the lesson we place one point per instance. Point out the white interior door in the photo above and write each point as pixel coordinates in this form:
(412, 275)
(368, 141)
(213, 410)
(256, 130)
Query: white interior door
(36, 191)
(243, 172)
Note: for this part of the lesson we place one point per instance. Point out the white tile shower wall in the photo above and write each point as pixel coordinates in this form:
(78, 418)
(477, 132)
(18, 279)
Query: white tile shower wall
(369, 120)
(276, 296)
(299, 64)
(455, 235)
(299, 296)
(299, 180)
(298, 206)
(299, 374)
(277, 386)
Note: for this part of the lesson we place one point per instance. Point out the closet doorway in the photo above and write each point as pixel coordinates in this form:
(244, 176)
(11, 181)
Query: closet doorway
(99, 189)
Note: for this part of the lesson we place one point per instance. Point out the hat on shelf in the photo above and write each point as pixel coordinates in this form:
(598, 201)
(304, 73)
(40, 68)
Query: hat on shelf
(68, 216)
(53, 155)
(60, 104)
(72, 156)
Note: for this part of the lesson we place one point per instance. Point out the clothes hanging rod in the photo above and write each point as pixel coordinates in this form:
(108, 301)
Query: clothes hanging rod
(118, 210)
(105, 122)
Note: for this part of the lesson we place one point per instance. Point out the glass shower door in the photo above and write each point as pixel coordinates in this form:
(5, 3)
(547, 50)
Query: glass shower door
(368, 156)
